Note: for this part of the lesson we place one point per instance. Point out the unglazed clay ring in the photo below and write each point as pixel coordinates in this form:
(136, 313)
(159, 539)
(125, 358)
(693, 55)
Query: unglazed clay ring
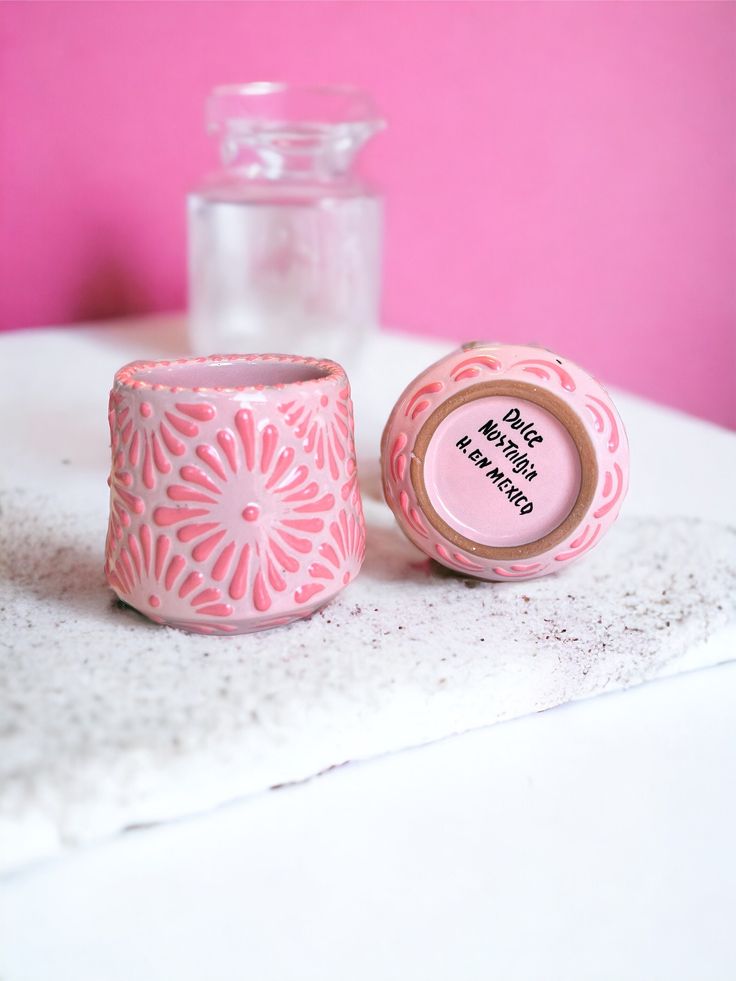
(504, 462)
(234, 502)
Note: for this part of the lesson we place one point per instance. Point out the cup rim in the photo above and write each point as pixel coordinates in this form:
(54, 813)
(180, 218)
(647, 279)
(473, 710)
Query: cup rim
(127, 376)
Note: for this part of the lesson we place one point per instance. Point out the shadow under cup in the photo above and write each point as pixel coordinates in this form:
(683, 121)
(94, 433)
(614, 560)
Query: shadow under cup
(234, 501)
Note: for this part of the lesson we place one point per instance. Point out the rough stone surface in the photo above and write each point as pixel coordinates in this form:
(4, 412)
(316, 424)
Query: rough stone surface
(108, 721)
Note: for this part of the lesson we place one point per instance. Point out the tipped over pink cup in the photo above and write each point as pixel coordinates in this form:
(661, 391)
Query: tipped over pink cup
(505, 462)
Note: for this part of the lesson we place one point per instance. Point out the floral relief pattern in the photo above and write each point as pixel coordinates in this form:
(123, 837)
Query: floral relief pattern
(149, 562)
(147, 445)
(223, 513)
(340, 556)
(327, 434)
(278, 510)
(123, 502)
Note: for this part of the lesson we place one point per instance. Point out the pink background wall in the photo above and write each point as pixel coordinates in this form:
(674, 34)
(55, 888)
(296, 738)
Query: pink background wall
(560, 173)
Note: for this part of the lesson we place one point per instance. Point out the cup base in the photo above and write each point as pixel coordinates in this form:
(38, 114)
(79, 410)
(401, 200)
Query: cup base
(235, 627)
(504, 462)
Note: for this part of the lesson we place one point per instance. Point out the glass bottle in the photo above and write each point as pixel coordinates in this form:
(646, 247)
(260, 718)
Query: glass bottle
(285, 240)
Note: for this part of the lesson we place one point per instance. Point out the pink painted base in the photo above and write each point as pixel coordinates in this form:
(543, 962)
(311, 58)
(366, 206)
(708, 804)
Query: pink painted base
(250, 626)
(461, 462)
(504, 462)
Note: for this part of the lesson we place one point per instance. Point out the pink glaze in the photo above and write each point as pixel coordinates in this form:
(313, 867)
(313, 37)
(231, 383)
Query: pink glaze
(463, 490)
(234, 503)
(554, 508)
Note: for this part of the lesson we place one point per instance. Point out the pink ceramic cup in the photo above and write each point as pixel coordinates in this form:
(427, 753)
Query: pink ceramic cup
(505, 462)
(234, 503)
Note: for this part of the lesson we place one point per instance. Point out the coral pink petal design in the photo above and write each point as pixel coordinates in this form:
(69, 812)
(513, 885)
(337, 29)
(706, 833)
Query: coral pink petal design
(150, 446)
(327, 434)
(457, 559)
(596, 416)
(613, 438)
(518, 571)
(340, 557)
(418, 404)
(147, 562)
(412, 514)
(542, 370)
(581, 544)
(349, 490)
(618, 478)
(472, 367)
(123, 502)
(398, 460)
(279, 509)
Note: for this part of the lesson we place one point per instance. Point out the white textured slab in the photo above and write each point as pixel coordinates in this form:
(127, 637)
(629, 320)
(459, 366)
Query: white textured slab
(135, 723)
(108, 721)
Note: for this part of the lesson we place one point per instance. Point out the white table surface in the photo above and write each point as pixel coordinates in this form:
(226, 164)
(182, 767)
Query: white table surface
(591, 841)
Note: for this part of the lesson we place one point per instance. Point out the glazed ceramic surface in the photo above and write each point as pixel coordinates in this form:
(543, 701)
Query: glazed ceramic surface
(234, 502)
(504, 462)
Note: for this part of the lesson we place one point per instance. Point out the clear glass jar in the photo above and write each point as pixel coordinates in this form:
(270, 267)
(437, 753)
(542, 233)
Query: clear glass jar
(285, 240)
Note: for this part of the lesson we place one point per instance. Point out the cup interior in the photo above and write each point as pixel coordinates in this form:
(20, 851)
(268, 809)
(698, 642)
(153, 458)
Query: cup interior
(232, 374)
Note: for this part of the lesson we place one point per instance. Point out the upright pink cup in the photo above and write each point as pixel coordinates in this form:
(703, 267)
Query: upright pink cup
(234, 503)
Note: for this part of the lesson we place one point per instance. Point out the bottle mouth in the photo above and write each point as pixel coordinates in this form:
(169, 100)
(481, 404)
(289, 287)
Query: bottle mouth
(274, 130)
(300, 108)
